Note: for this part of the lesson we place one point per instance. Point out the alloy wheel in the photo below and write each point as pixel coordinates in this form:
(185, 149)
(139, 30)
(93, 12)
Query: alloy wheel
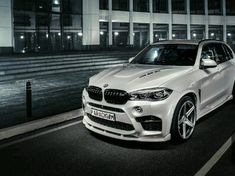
(186, 119)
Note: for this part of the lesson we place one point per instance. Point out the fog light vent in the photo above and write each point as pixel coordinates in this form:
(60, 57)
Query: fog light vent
(150, 123)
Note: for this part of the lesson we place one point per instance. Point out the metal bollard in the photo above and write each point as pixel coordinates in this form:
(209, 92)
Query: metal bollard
(28, 99)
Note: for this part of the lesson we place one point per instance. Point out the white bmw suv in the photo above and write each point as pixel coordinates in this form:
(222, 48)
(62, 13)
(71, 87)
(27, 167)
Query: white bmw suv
(162, 92)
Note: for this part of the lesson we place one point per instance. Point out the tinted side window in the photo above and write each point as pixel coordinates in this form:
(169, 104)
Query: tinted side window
(228, 52)
(220, 53)
(208, 48)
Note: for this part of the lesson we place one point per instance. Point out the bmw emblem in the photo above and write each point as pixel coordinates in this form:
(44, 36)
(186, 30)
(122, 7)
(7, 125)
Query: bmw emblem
(106, 85)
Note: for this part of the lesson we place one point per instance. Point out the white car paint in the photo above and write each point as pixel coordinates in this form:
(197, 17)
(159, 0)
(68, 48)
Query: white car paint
(212, 87)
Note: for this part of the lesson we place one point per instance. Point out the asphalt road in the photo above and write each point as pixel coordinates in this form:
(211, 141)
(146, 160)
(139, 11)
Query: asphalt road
(76, 151)
(224, 166)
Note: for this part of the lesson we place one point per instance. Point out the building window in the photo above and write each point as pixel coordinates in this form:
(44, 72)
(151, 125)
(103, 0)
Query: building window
(55, 6)
(24, 5)
(104, 5)
(230, 7)
(179, 6)
(67, 20)
(22, 19)
(160, 32)
(197, 7)
(216, 32)
(120, 34)
(197, 32)
(179, 31)
(42, 20)
(231, 36)
(141, 5)
(141, 35)
(104, 34)
(43, 6)
(215, 7)
(72, 6)
(47, 25)
(160, 6)
(122, 5)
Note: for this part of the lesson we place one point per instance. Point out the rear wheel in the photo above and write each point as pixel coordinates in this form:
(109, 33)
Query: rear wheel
(184, 120)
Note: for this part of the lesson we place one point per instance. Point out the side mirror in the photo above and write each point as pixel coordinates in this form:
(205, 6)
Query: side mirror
(131, 59)
(208, 63)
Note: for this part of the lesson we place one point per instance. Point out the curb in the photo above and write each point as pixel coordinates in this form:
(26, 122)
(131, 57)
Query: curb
(6, 133)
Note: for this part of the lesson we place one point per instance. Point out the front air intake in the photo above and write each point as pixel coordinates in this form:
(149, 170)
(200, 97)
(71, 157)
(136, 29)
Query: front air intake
(150, 123)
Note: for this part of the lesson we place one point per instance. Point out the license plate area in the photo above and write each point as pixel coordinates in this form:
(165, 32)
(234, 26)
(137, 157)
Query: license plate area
(103, 115)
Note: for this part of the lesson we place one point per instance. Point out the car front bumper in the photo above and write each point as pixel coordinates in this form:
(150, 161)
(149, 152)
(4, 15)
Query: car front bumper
(127, 116)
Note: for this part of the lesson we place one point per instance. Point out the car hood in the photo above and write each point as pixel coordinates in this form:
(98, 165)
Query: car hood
(133, 77)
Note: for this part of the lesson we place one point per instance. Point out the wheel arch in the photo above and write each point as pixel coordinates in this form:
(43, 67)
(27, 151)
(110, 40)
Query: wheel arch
(192, 94)
(195, 96)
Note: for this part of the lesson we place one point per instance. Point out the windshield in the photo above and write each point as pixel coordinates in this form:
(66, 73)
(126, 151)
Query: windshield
(168, 54)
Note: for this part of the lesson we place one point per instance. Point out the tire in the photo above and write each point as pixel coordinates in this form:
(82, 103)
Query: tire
(184, 120)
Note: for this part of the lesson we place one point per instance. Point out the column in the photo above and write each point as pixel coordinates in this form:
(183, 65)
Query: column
(151, 21)
(141, 39)
(91, 35)
(131, 26)
(6, 27)
(170, 23)
(224, 21)
(188, 20)
(206, 19)
(110, 23)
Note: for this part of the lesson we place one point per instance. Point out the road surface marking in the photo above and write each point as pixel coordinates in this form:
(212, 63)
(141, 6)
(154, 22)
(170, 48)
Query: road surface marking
(215, 158)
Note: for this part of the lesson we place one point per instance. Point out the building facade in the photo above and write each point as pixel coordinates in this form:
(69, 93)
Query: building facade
(71, 25)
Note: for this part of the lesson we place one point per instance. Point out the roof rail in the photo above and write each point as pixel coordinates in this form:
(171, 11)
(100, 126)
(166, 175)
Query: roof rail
(204, 40)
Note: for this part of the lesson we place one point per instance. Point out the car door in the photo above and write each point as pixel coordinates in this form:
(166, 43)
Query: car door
(225, 68)
(229, 70)
(211, 84)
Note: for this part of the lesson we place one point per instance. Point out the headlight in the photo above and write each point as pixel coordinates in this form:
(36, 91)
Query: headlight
(154, 94)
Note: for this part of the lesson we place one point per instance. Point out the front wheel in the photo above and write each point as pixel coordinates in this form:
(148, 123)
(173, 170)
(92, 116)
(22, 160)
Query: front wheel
(184, 120)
